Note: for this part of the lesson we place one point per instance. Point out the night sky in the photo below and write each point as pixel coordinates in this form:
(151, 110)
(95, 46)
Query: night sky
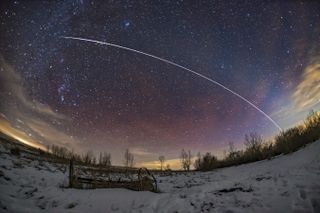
(86, 96)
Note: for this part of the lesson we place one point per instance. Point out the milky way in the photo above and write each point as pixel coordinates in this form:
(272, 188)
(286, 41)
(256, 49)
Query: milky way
(86, 96)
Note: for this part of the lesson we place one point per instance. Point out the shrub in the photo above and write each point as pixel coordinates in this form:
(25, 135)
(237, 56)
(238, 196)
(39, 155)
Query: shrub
(312, 127)
(289, 140)
(253, 143)
(207, 162)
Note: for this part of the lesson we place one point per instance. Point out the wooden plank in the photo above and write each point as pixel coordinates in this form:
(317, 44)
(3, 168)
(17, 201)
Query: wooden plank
(71, 174)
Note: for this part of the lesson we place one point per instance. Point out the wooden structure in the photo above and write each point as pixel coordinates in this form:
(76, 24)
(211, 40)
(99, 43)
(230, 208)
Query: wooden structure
(138, 180)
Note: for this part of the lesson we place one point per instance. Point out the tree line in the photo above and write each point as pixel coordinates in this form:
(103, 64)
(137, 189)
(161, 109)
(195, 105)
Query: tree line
(256, 148)
(87, 158)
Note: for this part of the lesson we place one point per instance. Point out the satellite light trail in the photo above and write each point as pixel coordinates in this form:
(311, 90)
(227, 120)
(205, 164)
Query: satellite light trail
(180, 66)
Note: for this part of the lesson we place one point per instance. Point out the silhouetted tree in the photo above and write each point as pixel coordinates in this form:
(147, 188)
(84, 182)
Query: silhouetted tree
(197, 162)
(285, 142)
(128, 159)
(104, 159)
(168, 167)
(88, 157)
(253, 143)
(232, 152)
(161, 159)
(185, 159)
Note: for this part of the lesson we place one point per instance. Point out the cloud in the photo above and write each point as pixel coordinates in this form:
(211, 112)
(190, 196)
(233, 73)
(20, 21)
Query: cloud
(7, 129)
(305, 97)
(3, 116)
(52, 135)
(12, 90)
(141, 152)
(174, 164)
(26, 119)
(307, 93)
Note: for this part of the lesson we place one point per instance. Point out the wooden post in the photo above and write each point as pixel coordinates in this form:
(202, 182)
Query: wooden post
(71, 173)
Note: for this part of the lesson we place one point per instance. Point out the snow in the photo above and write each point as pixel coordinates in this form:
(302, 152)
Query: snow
(288, 183)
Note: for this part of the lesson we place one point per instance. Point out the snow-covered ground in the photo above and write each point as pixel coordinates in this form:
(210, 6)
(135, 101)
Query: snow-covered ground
(289, 183)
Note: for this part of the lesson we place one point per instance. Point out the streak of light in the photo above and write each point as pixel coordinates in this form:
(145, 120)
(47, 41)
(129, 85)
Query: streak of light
(182, 67)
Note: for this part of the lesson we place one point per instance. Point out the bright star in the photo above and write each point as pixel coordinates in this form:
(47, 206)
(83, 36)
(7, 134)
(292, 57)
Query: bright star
(126, 24)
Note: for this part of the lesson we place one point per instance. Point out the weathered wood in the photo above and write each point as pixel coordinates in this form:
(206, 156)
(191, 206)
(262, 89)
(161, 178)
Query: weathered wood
(145, 184)
(145, 180)
(71, 174)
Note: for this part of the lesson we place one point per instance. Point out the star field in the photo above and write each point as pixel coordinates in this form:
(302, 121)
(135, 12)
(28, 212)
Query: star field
(87, 96)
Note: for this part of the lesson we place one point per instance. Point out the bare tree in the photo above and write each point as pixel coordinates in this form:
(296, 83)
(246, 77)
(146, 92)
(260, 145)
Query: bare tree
(128, 159)
(185, 159)
(231, 147)
(253, 141)
(168, 167)
(100, 161)
(60, 152)
(189, 162)
(88, 157)
(197, 162)
(232, 152)
(162, 160)
(104, 159)
(94, 160)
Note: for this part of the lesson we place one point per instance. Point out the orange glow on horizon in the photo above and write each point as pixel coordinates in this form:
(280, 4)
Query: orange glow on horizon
(7, 129)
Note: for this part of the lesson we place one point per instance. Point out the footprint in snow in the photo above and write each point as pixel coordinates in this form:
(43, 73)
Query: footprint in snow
(315, 204)
(302, 194)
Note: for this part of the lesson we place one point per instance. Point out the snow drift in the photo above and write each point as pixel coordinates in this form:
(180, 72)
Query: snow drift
(287, 183)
